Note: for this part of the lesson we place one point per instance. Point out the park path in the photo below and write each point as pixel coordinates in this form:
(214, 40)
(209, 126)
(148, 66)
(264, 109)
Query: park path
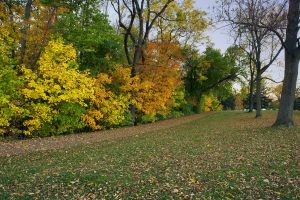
(19, 147)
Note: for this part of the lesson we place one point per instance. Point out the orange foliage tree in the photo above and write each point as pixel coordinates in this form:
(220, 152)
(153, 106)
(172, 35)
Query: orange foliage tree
(158, 77)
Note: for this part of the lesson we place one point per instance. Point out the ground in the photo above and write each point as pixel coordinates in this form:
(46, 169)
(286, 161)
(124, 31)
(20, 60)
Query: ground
(213, 156)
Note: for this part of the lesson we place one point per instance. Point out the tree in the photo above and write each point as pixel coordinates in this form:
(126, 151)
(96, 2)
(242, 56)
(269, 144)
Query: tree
(292, 58)
(245, 18)
(210, 103)
(158, 78)
(209, 72)
(141, 17)
(10, 109)
(97, 43)
(146, 14)
(112, 99)
(56, 81)
(181, 22)
(250, 74)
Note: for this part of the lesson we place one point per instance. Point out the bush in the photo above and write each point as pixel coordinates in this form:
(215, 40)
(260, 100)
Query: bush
(68, 120)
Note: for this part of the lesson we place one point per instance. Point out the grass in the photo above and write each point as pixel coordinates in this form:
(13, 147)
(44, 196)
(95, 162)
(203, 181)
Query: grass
(225, 155)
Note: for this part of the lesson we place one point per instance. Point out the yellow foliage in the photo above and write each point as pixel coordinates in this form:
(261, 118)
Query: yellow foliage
(41, 113)
(9, 108)
(210, 103)
(186, 24)
(112, 99)
(55, 81)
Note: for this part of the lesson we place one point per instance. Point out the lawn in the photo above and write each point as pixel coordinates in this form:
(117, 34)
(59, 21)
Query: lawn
(223, 155)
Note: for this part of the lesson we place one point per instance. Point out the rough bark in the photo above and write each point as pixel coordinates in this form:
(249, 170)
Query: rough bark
(258, 95)
(251, 93)
(252, 81)
(292, 56)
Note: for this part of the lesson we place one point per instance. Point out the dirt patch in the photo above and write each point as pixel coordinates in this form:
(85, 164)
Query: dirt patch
(9, 148)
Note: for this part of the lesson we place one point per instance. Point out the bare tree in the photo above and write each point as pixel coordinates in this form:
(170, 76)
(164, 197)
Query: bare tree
(245, 18)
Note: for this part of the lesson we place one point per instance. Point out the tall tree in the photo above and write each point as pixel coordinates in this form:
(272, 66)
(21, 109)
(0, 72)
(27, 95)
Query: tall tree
(96, 41)
(245, 18)
(250, 73)
(141, 15)
(292, 57)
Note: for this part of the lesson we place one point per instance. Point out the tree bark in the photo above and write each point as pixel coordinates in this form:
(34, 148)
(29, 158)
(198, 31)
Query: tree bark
(251, 94)
(25, 30)
(258, 94)
(252, 81)
(285, 114)
(292, 56)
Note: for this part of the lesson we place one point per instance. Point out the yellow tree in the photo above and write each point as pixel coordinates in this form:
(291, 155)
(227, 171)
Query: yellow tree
(112, 99)
(10, 108)
(183, 22)
(10, 17)
(136, 19)
(57, 80)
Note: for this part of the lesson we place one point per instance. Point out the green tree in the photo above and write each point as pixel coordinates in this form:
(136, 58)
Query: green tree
(98, 45)
(209, 72)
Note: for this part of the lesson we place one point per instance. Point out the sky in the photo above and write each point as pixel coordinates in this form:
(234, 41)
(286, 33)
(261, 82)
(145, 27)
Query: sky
(217, 34)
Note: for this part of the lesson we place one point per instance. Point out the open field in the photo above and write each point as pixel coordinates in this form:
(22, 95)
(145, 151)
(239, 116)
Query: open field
(221, 155)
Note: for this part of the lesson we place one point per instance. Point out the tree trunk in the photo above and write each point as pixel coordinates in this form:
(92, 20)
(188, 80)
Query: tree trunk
(12, 23)
(132, 107)
(46, 34)
(292, 56)
(25, 30)
(251, 95)
(136, 58)
(258, 94)
(285, 114)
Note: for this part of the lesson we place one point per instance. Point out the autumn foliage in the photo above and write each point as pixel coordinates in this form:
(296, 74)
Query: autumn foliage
(63, 68)
(158, 78)
(111, 99)
(55, 97)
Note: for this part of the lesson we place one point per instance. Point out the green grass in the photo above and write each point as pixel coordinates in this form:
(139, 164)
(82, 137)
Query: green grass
(221, 156)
